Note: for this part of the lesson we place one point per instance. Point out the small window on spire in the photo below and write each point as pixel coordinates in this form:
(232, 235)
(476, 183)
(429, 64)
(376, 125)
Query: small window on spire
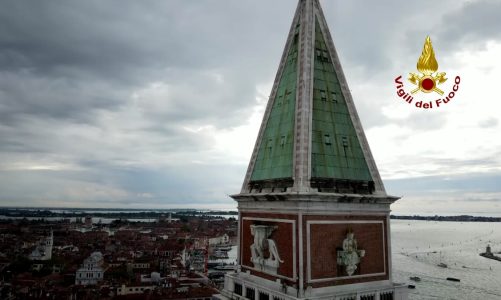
(327, 139)
(325, 55)
(282, 141)
(323, 95)
(345, 141)
(287, 96)
(334, 97)
(319, 54)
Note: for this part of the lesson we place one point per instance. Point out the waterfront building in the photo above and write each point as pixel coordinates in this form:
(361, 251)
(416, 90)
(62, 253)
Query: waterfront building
(313, 211)
(91, 271)
(88, 221)
(223, 239)
(43, 248)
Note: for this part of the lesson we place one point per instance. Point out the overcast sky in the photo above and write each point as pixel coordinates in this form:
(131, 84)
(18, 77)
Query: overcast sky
(157, 104)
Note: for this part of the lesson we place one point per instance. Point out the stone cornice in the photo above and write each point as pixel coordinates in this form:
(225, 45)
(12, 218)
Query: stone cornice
(316, 197)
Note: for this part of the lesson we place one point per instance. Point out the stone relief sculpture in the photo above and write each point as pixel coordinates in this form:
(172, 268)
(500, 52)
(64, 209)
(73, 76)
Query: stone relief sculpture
(350, 255)
(261, 245)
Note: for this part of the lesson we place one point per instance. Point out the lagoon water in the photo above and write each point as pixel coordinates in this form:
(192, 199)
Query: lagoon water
(418, 246)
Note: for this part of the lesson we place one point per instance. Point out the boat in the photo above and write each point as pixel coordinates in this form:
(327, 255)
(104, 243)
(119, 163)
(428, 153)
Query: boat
(453, 279)
(223, 247)
(214, 275)
(212, 264)
(218, 280)
(225, 268)
(411, 286)
(220, 254)
(441, 264)
(415, 278)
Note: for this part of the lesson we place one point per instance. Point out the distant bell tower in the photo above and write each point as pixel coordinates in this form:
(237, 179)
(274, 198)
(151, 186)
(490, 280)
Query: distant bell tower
(313, 212)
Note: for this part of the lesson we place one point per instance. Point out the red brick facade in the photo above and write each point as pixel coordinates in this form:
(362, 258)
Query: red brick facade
(322, 237)
(283, 237)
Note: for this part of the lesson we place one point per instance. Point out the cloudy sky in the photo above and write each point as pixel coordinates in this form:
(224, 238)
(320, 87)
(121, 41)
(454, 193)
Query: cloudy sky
(157, 103)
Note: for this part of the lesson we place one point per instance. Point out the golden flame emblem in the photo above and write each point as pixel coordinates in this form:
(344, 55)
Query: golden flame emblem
(427, 65)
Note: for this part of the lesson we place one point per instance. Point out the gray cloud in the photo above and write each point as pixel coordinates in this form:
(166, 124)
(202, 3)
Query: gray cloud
(100, 102)
(24, 94)
(474, 193)
(76, 56)
(424, 121)
(478, 182)
(97, 97)
(488, 123)
(472, 25)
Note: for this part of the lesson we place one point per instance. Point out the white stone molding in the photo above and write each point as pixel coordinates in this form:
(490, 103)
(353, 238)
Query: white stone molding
(309, 252)
(239, 236)
(390, 265)
(301, 251)
(310, 205)
(302, 142)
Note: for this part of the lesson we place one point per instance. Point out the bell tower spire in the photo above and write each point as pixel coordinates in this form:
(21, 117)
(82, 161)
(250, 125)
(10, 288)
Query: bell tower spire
(311, 138)
(314, 216)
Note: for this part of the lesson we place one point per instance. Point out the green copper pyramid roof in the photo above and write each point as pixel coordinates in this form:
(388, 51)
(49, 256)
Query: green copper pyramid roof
(274, 159)
(311, 138)
(336, 151)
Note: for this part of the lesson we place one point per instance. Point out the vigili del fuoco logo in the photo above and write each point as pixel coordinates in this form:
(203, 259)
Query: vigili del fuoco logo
(428, 81)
